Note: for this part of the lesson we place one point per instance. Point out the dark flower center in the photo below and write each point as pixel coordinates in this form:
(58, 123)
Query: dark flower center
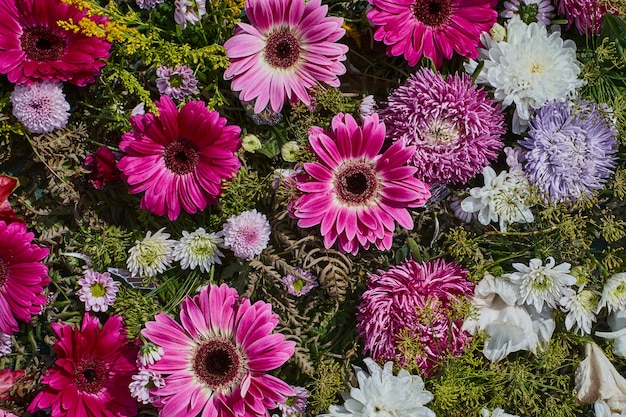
(90, 375)
(356, 183)
(432, 13)
(4, 273)
(42, 44)
(219, 364)
(282, 49)
(181, 156)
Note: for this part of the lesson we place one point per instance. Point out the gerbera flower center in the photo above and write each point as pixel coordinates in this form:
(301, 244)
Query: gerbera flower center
(432, 13)
(219, 364)
(90, 375)
(356, 183)
(181, 156)
(282, 49)
(42, 44)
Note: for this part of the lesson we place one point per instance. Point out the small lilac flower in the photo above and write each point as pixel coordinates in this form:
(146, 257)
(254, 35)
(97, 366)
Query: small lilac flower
(98, 290)
(299, 283)
(295, 405)
(5, 344)
(185, 13)
(178, 82)
(528, 10)
(142, 384)
(247, 234)
(41, 107)
(148, 4)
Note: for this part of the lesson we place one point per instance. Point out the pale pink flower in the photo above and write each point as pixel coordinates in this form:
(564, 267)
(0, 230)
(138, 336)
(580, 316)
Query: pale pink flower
(247, 234)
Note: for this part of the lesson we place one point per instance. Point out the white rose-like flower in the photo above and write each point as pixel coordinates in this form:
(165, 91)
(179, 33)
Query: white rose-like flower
(509, 326)
(381, 393)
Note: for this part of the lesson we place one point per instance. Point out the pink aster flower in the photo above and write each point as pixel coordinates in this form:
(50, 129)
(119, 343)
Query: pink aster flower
(216, 359)
(299, 283)
(418, 299)
(40, 107)
(431, 28)
(295, 405)
(355, 193)
(178, 82)
(288, 47)
(455, 128)
(93, 370)
(529, 10)
(586, 15)
(35, 48)
(5, 344)
(97, 290)
(247, 234)
(179, 158)
(22, 276)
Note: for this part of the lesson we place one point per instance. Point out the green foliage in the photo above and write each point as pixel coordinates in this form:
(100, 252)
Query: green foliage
(135, 307)
(325, 386)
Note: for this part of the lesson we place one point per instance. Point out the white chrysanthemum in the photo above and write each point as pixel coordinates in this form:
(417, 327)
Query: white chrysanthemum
(502, 199)
(497, 412)
(614, 293)
(41, 107)
(142, 383)
(152, 255)
(539, 284)
(149, 353)
(199, 249)
(381, 393)
(529, 68)
(5, 344)
(581, 310)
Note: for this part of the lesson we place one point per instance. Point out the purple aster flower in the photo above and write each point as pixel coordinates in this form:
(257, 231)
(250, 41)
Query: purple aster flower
(5, 344)
(148, 4)
(247, 234)
(295, 405)
(98, 291)
(452, 123)
(570, 149)
(300, 282)
(41, 107)
(528, 10)
(176, 82)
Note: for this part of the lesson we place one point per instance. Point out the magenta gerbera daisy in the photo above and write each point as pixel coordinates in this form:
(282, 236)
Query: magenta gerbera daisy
(355, 193)
(288, 47)
(22, 276)
(33, 47)
(215, 361)
(415, 301)
(455, 128)
(93, 370)
(179, 158)
(431, 28)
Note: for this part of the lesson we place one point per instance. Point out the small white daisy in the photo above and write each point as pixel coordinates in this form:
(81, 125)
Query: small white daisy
(149, 353)
(199, 249)
(581, 307)
(142, 383)
(614, 293)
(497, 412)
(152, 255)
(98, 290)
(539, 284)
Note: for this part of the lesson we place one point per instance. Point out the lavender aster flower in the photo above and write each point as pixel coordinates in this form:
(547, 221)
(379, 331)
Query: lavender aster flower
(299, 283)
(41, 107)
(295, 405)
(247, 234)
(178, 82)
(98, 291)
(148, 4)
(5, 344)
(570, 149)
(453, 125)
(528, 10)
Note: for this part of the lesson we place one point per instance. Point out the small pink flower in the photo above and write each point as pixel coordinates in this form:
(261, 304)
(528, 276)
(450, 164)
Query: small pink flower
(247, 234)
(97, 290)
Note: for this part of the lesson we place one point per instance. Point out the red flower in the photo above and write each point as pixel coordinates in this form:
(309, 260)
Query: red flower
(103, 166)
(7, 185)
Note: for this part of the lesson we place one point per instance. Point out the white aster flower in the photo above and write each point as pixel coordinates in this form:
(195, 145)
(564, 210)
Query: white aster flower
(199, 249)
(528, 69)
(149, 353)
(41, 107)
(509, 326)
(614, 293)
(497, 412)
(503, 199)
(152, 255)
(381, 393)
(142, 383)
(539, 284)
(617, 323)
(581, 307)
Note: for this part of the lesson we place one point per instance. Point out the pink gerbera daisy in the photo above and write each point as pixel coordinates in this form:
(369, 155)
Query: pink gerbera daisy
(93, 370)
(432, 28)
(288, 47)
(22, 276)
(355, 193)
(33, 47)
(179, 158)
(215, 361)
(415, 301)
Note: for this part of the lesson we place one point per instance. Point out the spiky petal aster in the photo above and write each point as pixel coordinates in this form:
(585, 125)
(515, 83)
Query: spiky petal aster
(215, 360)
(22, 276)
(247, 234)
(453, 125)
(394, 302)
(34, 48)
(41, 107)
(431, 28)
(355, 193)
(199, 249)
(93, 370)
(614, 293)
(288, 47)
(586, 15)
(570, 149)
(179, 159)
(178, 82)
(528, 10)
(151, 255)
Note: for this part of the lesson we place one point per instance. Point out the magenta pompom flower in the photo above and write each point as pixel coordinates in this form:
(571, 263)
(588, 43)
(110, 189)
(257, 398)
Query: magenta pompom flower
(179, 158)
(92, 372)
(431, 28)
(22, 276)
(586, 15)
(215, 361)
(288, 47)
(455, 128)
(355, 193)
(33, 47)
(419, 300)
